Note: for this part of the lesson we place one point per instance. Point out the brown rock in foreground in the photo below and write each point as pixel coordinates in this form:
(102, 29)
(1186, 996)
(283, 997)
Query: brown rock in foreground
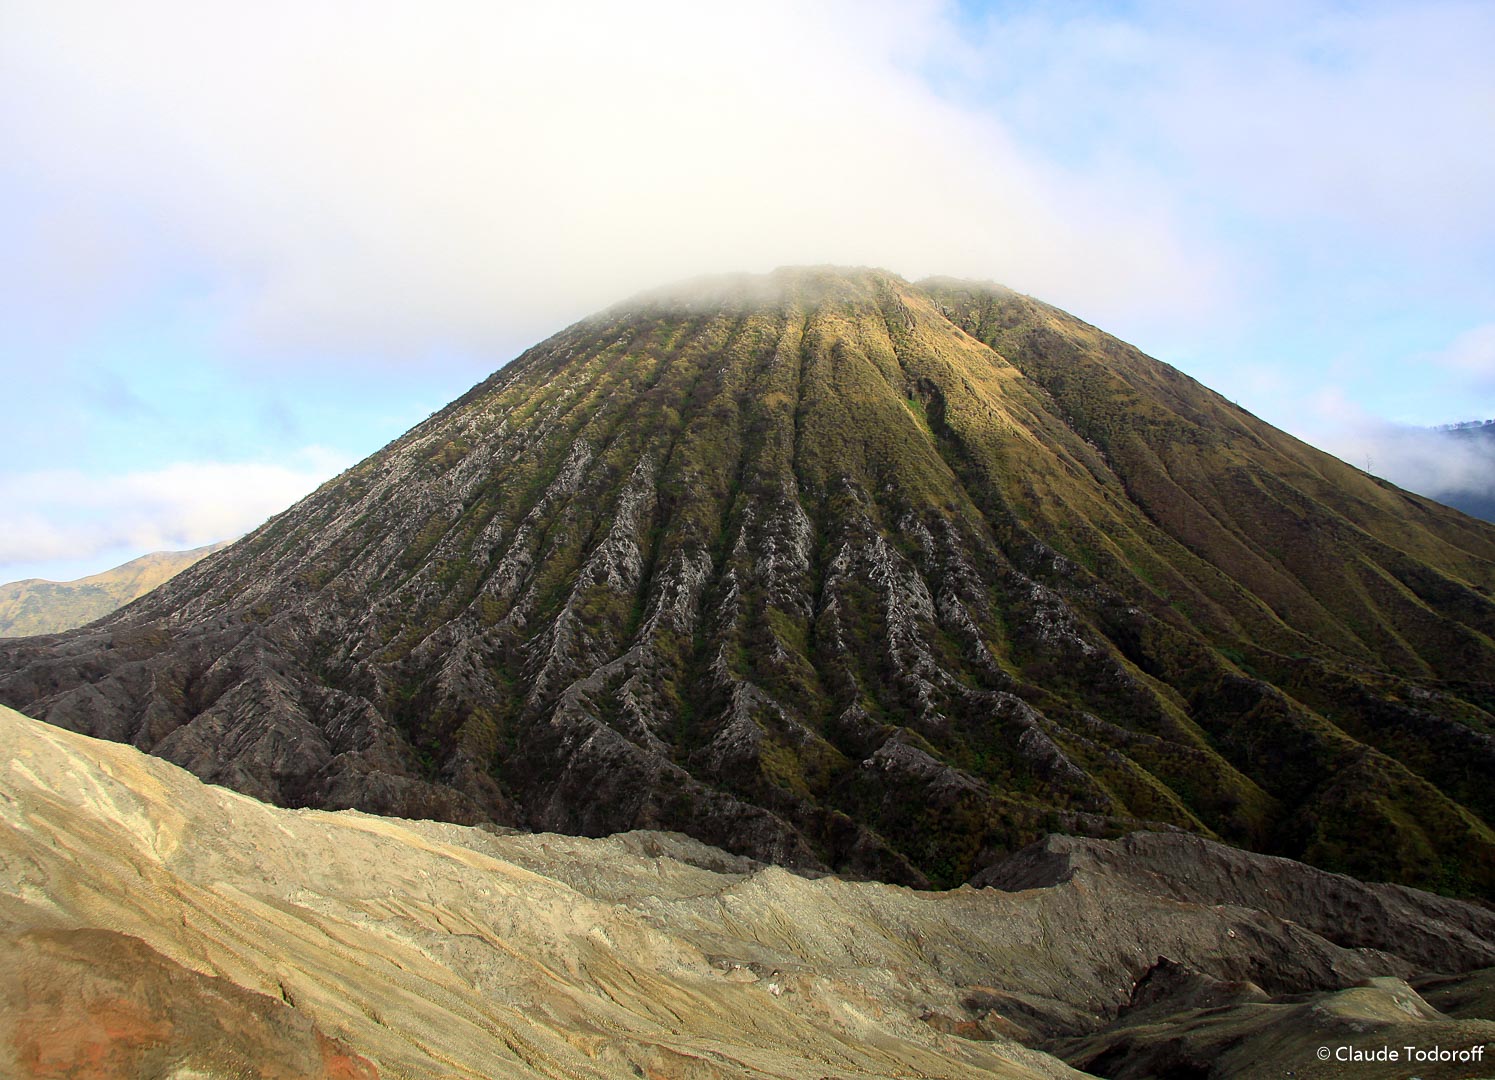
(436, 950)
(92, 1004)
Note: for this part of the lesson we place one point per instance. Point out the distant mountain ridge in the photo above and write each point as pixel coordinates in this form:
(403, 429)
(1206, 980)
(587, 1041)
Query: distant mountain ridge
(1468, 426)
(37, 606)
(842, 572)
(1475, 503)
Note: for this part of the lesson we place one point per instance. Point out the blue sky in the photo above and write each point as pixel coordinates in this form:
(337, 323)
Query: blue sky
(250, 244)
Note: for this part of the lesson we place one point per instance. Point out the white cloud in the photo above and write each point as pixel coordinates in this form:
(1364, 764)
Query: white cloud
(1429, 462)
(384, 175)
(63, 515)
(416, 179)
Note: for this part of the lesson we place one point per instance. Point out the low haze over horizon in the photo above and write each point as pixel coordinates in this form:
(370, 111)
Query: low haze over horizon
(250, 245)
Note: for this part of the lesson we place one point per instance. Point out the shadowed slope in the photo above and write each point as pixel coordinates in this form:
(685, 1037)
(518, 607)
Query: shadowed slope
(842, 572)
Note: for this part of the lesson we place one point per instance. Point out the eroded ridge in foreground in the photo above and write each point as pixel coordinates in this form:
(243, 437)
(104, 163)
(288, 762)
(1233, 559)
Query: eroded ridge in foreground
(154, 925)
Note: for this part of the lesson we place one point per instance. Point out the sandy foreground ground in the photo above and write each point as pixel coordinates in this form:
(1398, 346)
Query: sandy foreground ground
(152, 925)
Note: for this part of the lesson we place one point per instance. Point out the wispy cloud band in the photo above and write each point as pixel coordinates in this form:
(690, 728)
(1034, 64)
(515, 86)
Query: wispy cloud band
(60, 515)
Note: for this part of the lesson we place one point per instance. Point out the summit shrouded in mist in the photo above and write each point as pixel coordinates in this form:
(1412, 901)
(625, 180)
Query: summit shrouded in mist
(841, 572)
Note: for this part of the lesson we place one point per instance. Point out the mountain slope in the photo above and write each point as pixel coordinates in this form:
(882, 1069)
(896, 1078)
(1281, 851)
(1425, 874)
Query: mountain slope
(149, 920)
(837, 571)
(35, 606)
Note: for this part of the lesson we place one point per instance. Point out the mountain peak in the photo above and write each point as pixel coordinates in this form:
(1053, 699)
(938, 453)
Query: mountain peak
(36, 606)
(840, 572)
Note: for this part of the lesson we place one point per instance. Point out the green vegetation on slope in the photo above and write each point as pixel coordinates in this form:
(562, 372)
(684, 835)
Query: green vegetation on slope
(844, 572)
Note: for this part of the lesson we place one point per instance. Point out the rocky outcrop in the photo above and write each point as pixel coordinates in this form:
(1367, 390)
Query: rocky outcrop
(1435, 933)
(93, 1004)
(1350, 1032)
(843, 573)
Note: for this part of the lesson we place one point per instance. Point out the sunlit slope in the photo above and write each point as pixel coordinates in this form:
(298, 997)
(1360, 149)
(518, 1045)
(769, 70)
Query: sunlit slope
(838, 571)
(35, 606)
(152, 925)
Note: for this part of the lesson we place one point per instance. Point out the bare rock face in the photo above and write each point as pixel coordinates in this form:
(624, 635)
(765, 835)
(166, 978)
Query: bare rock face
(92, 1004)
(1435, 933)
(151, 925)
(841, 573)
(1256, 1040)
